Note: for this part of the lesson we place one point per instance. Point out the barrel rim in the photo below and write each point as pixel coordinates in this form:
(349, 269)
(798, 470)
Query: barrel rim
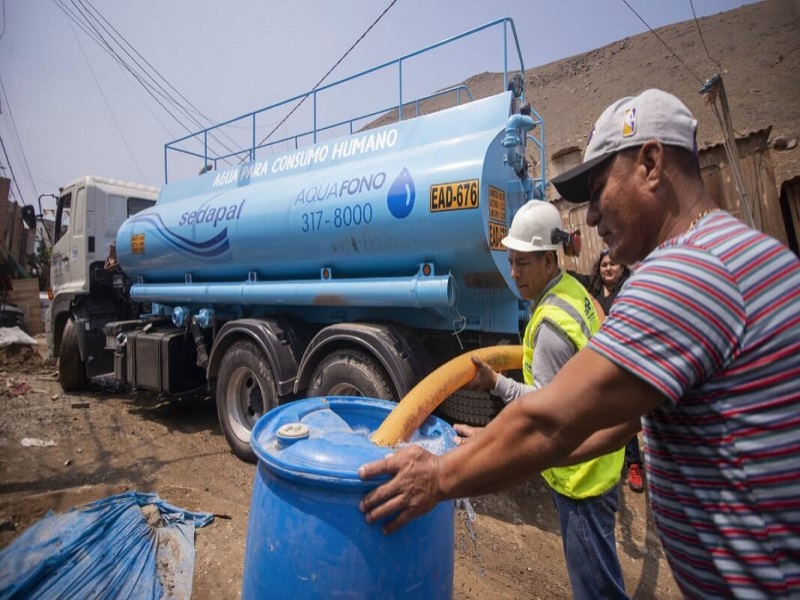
(294, 411)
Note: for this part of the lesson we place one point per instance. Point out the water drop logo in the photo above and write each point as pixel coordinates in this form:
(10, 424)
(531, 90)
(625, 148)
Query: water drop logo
(401, 195)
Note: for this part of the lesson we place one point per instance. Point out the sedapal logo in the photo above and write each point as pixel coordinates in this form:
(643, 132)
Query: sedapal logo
(401, 195)
(213, 246)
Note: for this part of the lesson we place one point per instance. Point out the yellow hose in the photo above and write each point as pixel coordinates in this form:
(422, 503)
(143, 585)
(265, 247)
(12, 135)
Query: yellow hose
(429, 393)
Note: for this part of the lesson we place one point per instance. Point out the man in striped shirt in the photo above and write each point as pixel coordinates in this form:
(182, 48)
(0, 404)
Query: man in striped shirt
(703, 342)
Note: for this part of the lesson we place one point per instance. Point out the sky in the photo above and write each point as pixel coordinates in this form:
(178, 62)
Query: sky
(68, 109)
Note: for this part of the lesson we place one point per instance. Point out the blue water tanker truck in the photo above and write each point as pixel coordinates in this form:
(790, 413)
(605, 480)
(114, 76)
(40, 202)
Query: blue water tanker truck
(347, 264)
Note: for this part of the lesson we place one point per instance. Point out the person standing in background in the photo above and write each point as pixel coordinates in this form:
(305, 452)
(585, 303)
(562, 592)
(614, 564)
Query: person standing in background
(606, 281)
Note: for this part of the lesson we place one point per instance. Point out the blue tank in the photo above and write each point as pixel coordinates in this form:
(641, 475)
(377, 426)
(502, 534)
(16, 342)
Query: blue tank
(420, 203)
(306, 537)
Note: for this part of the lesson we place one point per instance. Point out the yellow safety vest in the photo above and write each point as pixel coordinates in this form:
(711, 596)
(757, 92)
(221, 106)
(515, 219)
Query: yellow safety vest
(568, 306)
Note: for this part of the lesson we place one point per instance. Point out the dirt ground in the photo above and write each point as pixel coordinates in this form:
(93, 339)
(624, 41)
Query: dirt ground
(111, 440)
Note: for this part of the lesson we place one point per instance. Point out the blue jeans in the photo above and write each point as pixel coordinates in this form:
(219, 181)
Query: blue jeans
(587, 533)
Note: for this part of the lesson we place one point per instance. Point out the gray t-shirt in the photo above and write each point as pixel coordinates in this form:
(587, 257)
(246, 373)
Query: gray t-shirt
(551, 350)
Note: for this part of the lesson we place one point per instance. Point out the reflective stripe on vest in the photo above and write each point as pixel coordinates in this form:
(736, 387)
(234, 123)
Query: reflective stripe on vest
(568, 306)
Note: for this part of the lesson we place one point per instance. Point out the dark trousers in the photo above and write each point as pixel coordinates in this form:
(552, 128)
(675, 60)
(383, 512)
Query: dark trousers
(587, 533)
(632, 454)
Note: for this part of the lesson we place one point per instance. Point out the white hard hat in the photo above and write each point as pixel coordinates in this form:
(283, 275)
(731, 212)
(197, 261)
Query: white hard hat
(532, 228)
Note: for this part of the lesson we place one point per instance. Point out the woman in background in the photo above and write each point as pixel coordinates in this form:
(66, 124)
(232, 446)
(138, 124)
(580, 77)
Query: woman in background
(604, 284)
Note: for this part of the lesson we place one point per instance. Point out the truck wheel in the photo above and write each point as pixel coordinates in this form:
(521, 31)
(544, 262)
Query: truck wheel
(470, 407)
(245, 391)
(348, 372)
(71, 370)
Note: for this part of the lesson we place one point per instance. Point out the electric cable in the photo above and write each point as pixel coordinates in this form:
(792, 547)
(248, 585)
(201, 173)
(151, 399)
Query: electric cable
(142, 77)
(702, 39)
(90, 25)
(68, 12)
(678, 58)
(111, 112)
(719, 70)
(160, 88)
(11, 169)
(135, 75)
(196, 110)
(17, 140)
(153, 82)
(3, 32)
(363, 35)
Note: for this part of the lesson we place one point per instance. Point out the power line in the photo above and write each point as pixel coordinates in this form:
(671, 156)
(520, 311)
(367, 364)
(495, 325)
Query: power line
(363, 35)
(17, 139)
(111, 112)
(685, 66)
(2, 33)
(164, 93)
(10, 168)
(91, 25)
(702, 39)
(106, 47)
(185, 99)
(153, 85)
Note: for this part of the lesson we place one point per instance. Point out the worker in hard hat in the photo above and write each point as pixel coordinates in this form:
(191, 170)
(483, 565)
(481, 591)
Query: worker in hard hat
(563, 318)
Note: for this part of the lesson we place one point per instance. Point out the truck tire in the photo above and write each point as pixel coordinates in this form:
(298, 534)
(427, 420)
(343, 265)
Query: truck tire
(71, 370)
(349, 372)
(470, 407)
(245, 391)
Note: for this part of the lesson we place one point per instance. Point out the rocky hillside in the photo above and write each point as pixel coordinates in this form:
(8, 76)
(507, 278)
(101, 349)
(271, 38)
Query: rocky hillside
(756, 49)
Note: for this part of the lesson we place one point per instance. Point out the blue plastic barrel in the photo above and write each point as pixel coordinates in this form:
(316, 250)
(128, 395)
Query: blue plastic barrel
(306, 537)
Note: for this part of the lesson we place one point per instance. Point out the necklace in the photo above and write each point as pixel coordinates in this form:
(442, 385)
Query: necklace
(708, 211)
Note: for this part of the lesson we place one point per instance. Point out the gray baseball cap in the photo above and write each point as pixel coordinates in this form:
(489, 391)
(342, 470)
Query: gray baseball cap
(629, 122)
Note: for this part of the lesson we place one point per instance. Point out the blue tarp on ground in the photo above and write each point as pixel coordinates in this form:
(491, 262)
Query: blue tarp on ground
(105, 549)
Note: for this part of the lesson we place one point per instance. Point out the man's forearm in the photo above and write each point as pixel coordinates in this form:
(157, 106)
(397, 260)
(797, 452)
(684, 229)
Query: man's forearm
(518, 444)
(603, 442)
(535, 432)
(568, 421)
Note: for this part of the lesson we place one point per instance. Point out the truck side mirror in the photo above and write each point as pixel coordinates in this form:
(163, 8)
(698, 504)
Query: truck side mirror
(29, 216)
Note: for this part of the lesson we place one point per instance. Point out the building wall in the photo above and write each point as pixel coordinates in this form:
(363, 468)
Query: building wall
(790, 207)
(16, 241)
(758, 179)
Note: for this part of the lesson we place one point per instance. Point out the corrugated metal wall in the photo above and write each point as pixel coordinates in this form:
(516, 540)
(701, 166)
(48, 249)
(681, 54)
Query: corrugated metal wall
(790, 207)
(15, 241)
(758, 178)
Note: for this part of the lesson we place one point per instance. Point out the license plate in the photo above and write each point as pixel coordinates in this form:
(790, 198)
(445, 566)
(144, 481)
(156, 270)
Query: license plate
(460, 195)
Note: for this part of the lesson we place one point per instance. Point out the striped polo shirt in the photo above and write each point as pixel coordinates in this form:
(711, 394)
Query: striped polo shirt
(711, 319)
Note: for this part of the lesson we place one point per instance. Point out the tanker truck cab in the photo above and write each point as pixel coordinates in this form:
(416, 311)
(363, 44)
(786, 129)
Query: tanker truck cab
(89, 211)
(348, 258)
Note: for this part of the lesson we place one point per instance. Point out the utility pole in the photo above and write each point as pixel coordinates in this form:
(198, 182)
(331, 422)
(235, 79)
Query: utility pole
(713, 89)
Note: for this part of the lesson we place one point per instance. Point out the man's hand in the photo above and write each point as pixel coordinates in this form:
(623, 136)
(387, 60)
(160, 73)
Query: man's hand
(485, 378)
(412, 491)
(465, 432)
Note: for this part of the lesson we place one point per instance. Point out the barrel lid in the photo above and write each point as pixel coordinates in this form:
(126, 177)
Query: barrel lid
(326, 439)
